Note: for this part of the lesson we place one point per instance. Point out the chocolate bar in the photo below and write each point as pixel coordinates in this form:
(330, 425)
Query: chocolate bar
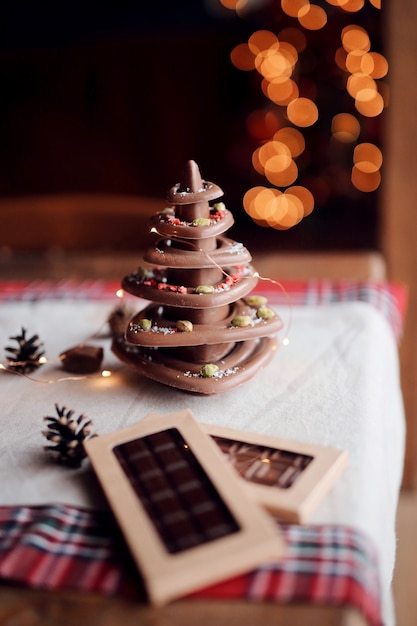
(185, 514)
(288, 478)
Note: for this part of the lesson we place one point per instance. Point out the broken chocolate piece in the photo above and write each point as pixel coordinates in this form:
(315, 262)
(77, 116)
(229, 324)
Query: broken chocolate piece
(82, 359)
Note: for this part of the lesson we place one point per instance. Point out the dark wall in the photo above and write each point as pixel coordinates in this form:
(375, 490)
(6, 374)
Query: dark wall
(115, 97)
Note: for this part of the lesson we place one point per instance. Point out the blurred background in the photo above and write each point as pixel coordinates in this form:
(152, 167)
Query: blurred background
(114, 97)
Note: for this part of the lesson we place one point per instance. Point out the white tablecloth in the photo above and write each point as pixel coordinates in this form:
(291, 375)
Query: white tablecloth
(335, 384)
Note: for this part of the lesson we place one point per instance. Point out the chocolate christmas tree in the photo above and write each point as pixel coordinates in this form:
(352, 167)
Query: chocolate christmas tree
(202, 332)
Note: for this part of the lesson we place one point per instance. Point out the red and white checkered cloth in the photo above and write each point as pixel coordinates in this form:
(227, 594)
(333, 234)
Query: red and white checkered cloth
(56, 547)
(67, 547)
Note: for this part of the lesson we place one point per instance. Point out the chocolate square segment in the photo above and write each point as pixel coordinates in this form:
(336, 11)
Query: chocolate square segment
(175, 490)
(262, 464)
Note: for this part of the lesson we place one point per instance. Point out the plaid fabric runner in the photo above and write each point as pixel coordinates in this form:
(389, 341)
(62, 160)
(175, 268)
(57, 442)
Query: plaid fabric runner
(59, 546)
(389, 298)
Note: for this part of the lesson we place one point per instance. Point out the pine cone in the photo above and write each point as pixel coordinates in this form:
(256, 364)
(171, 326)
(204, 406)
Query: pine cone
(25, 358)
(67, 435)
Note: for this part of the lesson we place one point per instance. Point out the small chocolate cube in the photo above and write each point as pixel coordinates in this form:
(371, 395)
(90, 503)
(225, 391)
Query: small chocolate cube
(82, 359)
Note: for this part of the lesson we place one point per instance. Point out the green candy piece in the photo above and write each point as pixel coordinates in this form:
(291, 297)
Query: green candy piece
(219, 206)
(145, 324)
(209, 369)
(265, 313)
(241, 320)
(204, 289)
(184, 326)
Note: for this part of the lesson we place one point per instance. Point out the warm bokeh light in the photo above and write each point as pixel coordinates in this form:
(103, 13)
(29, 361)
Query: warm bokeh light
(261, 40)
(354, 62)
(365, 181)
(355, 38)
(340, 58)
(295, 37)
(274, 159)
(271, 207)
(284, 85)
(364, 68)
(234, 5)
(351, 6)
(274, 64)
(276, 211)
(292, 138)
(345, 127)
(229, 4)
(367, 64)
(292, 7)
(302, 112)
(281, 170)
(242, 57)
(273, 148)
(258, 166)
(367, 157)
(280, 90)
(359, 82)
(379, 65)
(369, 102)
(304, 195)
(249, 197)
(262, 124)
(289, 212)
(264, 203)
(289, 52)
(312, 17)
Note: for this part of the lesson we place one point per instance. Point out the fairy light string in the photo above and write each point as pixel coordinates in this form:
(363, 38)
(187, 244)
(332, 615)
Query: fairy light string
(10, 370)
